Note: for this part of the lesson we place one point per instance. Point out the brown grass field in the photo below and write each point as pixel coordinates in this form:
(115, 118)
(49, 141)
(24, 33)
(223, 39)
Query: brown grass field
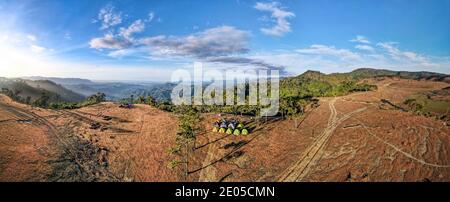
(348, 138)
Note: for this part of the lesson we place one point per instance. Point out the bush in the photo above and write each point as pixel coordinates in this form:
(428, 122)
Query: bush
(173, 164)
(174, 150)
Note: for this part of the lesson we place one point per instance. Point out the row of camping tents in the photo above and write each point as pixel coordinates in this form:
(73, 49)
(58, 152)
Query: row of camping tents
(230, 127)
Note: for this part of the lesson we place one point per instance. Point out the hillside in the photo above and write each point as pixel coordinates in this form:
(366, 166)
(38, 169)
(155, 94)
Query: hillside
(24, 90)
(347, 138)
(118, 90)
(317, 84)
(65, 94)
(62, 81)
(100, 142)
(113, 90)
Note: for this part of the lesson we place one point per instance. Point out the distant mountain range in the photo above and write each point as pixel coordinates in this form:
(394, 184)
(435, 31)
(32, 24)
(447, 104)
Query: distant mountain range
(113, 90)
(62, 81)
(117, 90)
(76, 89)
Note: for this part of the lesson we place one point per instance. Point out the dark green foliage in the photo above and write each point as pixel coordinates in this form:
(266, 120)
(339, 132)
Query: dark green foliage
(91, 100)
(165, 106)
(43, 101)
(140, 100)
(413, 104)
(321, 85)
(292, 106)
(151, 101)
(430, 104)
(297, 92)
(372, 73)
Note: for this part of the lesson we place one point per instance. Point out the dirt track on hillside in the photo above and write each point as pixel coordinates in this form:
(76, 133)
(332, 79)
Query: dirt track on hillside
(314, 152)
(348, 138)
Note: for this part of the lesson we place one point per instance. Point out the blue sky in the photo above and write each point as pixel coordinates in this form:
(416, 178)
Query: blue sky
(147, 40)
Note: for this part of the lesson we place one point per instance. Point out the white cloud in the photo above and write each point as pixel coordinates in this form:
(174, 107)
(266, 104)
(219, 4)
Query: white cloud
(389, 47)
(121, 53)
(214, 42)
(360, 39)
(109, 41)
(37, 49)
(394, 52)
(136, 27)
(219, 41)
(280, 15)
(109, 17)
(215, 45)
(364, 47)
(318, 49)
(151, 15)
(248, 62)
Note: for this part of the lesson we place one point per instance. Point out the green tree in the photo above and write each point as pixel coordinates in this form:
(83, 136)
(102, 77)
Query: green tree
(188, 126)
(43, 101)
(151, 101)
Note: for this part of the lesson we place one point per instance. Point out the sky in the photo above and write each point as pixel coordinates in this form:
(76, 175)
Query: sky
(148, 40)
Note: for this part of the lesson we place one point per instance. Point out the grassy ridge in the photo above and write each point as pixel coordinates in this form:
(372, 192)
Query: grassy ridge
(27, 91)
(431, 104)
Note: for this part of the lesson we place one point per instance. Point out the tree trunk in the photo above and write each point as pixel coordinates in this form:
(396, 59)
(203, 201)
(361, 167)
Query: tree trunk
(186, 162)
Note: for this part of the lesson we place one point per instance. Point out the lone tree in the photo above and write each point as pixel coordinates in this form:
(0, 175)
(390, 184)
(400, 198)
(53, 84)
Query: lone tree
(43, 101)
(141, 100)
(97, 98)
(292, 108)
(151, 101)
(186, 135)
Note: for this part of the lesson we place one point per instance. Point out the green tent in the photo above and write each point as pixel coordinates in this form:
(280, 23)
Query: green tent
(240, 126)
(215, 129)
(229, 131)
(236, 132)
(222, 130)
(244, 132)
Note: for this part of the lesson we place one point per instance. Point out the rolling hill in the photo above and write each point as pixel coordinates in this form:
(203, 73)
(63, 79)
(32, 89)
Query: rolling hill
(113, 90)
(23, 90)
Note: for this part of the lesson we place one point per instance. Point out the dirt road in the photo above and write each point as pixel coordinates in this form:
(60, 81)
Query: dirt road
(301, 168)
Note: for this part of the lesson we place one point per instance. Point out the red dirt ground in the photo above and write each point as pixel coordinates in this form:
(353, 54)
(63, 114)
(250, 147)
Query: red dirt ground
(348, 138)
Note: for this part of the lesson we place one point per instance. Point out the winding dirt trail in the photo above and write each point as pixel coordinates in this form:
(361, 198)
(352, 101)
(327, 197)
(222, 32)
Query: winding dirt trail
(313, 153)
(408, 155)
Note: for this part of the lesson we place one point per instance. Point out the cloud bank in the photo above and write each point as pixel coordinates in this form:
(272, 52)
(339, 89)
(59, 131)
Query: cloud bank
(218, 41)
